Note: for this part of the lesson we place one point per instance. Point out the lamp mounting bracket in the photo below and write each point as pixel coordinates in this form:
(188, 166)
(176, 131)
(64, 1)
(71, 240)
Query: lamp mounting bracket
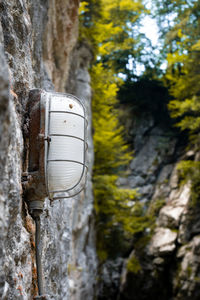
(34, 183)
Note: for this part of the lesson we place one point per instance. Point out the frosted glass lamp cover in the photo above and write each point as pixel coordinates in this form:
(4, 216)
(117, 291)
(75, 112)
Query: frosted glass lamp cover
(65, 147)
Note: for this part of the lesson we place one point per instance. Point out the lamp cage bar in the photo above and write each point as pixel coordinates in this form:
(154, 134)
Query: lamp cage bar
(48, 141)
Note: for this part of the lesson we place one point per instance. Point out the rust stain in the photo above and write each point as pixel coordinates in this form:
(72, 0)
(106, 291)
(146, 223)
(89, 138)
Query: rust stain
(13, 93)
(70, 105)
(20, 275)
(19, 288)
(30, 227)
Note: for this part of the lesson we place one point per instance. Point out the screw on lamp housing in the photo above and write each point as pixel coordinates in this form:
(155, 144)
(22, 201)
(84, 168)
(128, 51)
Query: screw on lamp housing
(57, 155)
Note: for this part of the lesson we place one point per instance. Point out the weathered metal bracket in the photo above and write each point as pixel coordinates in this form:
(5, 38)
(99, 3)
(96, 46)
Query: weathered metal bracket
(35, 188)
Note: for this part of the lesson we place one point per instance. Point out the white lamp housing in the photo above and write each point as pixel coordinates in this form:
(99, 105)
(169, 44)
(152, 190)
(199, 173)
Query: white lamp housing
(57, 147)
(65, 131)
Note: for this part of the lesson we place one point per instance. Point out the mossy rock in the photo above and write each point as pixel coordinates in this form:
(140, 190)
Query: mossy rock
(133, 265)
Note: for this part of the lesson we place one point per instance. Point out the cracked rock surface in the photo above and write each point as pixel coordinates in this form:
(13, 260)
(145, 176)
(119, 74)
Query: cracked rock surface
(166, 259)
(38, 39)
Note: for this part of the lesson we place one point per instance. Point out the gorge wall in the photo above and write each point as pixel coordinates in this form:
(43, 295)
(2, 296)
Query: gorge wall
(38, 49)
(164, 260)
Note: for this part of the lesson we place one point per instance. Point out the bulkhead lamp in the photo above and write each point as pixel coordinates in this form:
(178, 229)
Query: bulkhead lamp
(65, 151)
(56, 156)
(57, 147)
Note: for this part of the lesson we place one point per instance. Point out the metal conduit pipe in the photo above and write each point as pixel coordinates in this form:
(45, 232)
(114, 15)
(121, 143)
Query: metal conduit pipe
(38, 256)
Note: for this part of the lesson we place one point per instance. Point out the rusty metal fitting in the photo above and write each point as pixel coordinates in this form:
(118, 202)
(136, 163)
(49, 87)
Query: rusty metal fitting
(34, 179)
(48, 139)
(35, 208)
(41, 136)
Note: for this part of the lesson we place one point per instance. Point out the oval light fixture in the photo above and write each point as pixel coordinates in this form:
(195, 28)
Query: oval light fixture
(57, 147)
(65, 131)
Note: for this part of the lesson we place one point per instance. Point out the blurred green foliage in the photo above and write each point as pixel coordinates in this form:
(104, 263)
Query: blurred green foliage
(111, 28)
(180, 22)
(133, 265)
(118, 214)
(180, 25)
(189, 171)
(107, 26)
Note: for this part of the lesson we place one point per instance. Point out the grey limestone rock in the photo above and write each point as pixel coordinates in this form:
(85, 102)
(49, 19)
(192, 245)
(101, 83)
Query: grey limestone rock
(37, 40)
(170, 214)
(163, 242)
(168, 260)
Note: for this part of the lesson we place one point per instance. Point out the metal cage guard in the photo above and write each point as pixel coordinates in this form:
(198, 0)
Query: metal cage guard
(48, 141)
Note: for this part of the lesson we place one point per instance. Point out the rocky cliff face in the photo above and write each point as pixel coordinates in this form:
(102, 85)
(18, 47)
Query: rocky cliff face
(164, 261)
(38, 39)
(154, 173)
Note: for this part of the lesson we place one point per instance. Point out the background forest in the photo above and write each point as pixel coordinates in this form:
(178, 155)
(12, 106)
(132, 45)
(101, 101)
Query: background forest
(167, 86)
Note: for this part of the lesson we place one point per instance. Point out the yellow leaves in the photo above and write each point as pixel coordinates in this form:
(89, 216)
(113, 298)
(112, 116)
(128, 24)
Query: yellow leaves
(182, 108)
(106, 48)
(179, 34)
(196, 47)
(133, 265)
(83, 7)
(104, 87)
(113, 206)
(175, 57)
(183, 74)
(179, 108)
(184, 77)
(107, 45)
(129, 5)
(109, 28)
(186, 169)
(183, 37)
(192, 123)
(121, 5)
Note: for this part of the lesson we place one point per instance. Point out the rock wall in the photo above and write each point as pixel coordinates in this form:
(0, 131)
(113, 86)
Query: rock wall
(168, 258)
(38, 39)
(153, 171)
(165, 258)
